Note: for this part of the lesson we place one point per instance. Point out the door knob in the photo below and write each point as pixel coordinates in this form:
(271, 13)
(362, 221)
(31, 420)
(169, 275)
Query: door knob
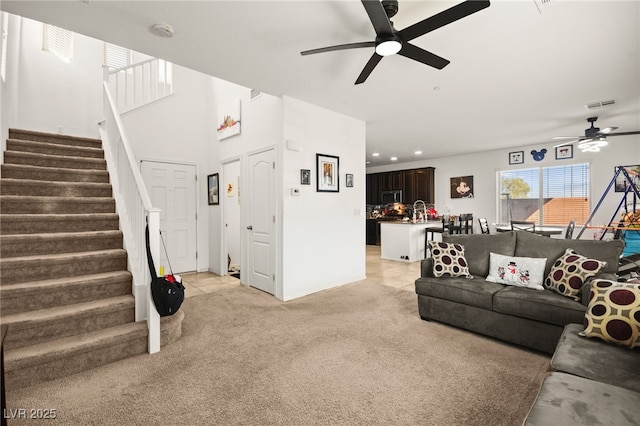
(249, 227)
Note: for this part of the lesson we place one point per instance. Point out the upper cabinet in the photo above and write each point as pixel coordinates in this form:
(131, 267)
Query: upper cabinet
(416, 184)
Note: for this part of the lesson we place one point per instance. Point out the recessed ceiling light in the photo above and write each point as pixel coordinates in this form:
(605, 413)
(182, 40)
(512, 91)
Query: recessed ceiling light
(393, 158)
(418, 153)
(162, 30)
(376, 154)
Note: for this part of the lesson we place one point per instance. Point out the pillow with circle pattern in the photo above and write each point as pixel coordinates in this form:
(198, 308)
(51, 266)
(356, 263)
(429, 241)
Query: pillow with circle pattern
(569, 273)
(613, 314)
(449, 260)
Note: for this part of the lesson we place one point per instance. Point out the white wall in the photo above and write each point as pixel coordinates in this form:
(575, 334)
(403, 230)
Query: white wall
(622, 150)
(55, 96)
(323, 233)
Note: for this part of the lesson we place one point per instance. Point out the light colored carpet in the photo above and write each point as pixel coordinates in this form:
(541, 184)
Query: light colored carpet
(354, 355)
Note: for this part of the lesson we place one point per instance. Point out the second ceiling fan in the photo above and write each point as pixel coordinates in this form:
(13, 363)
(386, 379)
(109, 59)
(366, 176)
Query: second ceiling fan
(390, 41)
(594, 138)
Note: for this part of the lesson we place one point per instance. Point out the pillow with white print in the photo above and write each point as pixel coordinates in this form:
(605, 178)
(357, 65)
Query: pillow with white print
(517, 271)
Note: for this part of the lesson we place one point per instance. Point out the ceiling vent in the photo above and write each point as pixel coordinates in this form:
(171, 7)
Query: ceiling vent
(598, 105)
(255, 93)
(541, 3)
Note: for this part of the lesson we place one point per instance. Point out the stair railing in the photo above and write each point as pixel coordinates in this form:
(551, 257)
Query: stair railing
(135, 211)
(136, 85)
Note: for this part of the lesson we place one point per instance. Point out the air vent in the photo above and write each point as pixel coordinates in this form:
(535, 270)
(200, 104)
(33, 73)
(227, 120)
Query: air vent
(541, 3)
(598, 105)
(255, 93)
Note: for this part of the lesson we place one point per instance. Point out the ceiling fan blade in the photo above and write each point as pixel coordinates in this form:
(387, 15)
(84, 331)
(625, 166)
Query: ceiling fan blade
(607, 130)
(443, 18)
(339, 47)
(567, 143)
(418, 54)
(555, 138)
(368, 68)
(378, 17)
(637, 132)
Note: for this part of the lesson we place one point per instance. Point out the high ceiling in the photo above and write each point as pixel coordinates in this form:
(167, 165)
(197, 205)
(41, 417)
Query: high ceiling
(521, 72)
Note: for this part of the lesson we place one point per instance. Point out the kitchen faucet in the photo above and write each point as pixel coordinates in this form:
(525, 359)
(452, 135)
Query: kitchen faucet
(424, 210)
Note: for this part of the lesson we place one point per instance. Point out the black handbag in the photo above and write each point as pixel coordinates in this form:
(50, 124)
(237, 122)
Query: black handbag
(167, 293)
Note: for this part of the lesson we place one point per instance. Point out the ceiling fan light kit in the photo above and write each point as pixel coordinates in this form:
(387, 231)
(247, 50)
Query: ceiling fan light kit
(390, 41)
(593, 138)
(593, 145)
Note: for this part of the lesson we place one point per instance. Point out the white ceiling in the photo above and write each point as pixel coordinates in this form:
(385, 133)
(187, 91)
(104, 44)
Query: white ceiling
(520, 73)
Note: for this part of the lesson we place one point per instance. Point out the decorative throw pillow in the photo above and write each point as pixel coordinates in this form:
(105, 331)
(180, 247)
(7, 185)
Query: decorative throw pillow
(518, 271)
(613, 314)
(448, 260)
(569, 273)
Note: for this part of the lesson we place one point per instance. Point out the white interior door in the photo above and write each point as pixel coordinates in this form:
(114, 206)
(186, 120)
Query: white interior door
(261, 225)
(172, 188)
(230, 194)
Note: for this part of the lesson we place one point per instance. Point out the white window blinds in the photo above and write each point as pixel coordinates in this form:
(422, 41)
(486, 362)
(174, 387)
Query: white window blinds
(58, 41)
(116, 56)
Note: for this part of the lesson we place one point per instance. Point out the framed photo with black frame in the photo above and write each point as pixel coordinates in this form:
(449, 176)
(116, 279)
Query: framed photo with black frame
(327, 173)
(305, 177)
(564, 152)
(516, 157)
(213, 189)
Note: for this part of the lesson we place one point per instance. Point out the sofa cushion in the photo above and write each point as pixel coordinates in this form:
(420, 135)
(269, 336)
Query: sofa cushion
(448, 260)
(478, 246)
(596, 360)
(570, 272)
(613, 314)
(544, 306)
(519, 271)
(571, 400)
(529, 244)
(478, 292)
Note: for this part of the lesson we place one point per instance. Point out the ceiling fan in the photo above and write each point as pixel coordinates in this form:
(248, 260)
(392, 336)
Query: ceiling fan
(594, 138)
(390, 41)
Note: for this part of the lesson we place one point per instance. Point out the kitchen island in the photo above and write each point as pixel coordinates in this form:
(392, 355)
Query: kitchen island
(404, 241)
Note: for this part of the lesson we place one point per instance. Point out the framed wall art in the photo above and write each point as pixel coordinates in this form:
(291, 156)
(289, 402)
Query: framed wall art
(516, 157)
(462, 187)
(564, 152)
(349, 180)
(305, 177)
(327, 173)
(213, 189)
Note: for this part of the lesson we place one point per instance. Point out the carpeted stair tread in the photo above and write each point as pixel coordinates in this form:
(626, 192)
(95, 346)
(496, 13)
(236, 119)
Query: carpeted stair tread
(44, 294)
(19, 145)
(60, 242)
(36, 136)
(29, 328)
(33, 268)
(23, 171)
(43, 223)
(62, 348)
(48, 160)
(17, 204)
(34, 187)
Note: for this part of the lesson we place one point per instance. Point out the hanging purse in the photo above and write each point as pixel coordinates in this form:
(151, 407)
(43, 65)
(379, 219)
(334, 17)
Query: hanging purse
(167, 292)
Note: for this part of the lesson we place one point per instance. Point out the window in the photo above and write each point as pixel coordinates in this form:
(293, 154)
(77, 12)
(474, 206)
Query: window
(116, 56)
(58, 41)
(546, 195)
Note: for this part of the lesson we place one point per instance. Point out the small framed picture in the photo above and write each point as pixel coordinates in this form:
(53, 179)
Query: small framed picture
(563, 152)
(349, 180)
(305, 177)
(212, 182)
(516, 157)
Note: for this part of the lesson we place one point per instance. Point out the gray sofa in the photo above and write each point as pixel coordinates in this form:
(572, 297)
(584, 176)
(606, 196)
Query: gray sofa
(531, 318)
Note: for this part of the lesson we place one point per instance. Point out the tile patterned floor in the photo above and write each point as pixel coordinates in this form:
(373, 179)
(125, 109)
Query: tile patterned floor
(387, 272)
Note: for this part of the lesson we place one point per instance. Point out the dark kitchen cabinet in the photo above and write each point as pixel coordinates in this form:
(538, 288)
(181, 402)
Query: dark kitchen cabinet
(416, 184)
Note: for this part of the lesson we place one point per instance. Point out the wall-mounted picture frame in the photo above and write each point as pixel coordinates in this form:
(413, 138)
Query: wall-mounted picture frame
(348, 182)
(516, 157)
(327, 173)
(462, 187)
(622, 183)
(305, 177)
(213, 189)
(229, 120)
(564, 152)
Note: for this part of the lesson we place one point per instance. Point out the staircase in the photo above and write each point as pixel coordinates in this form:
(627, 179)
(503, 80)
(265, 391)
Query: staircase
(65, 292)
